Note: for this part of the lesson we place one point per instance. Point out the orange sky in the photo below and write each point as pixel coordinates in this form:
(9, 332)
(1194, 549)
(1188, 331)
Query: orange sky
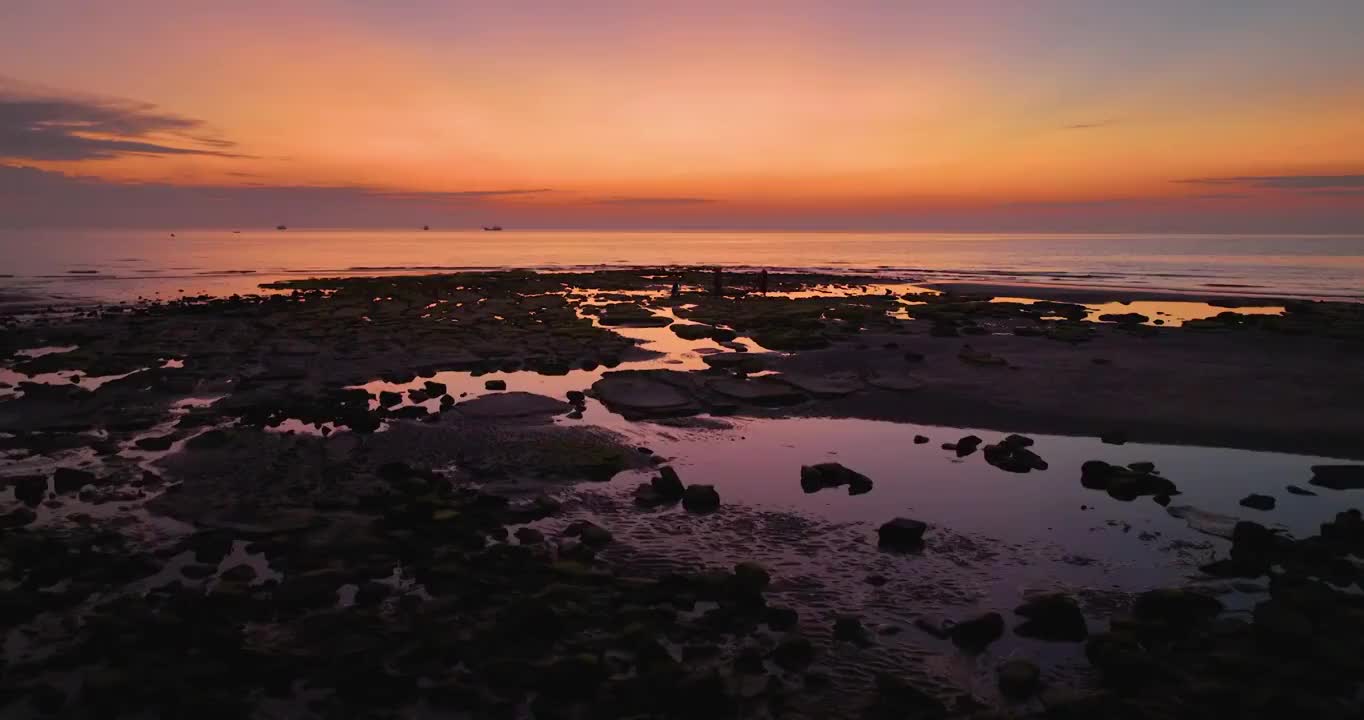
(850, 107)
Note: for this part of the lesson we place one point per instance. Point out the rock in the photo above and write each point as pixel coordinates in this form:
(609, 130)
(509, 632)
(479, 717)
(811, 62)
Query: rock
(899, 382)
(1124, 318)
(1114, 437)
(210, 547)
(1054, 617)
(529, 536)
(243, 574)
(975, 634)
(155, 444)
(1142, 466)
(433, 388)
(576, 397)
(644, 393)
(848, 628)
(1013, 458)
(1258, 502)
(1017, 441)
(920, 439)
(751, 576)
(66, 481)
(756, 391)
(1338, 477)
(591, 534)
(1123, 483)
(495, 384)
(388, 399)
(780, 618)
(901, 534)
(966, 445)
(745, 362)
(827, 385)
(1176, 607)
(814, 478)
(30, 489)
(511, 405)
(1019, 679)
(701, 499)
(794, 652)
(667, 484)
(1296, 490)
(18, 517)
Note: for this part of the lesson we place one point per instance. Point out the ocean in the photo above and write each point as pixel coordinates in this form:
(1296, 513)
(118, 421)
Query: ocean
(105, 265)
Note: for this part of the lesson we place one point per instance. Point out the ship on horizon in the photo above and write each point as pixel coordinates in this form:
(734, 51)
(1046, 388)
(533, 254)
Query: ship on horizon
(492, 228)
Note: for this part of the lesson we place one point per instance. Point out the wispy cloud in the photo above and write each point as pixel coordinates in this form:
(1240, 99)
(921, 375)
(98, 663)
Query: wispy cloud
(457, 196)
(37, 125)
(1090, 125)
(646, 200)
(1283, 182)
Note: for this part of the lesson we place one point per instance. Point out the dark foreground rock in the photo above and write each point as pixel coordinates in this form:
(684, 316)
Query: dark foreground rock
(901, 534)
(814, 478)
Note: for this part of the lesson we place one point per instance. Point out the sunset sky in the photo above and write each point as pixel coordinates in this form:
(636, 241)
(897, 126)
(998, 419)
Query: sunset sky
(1236, 115)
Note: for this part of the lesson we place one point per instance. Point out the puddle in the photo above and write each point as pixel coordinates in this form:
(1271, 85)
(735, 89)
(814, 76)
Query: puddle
(1170, 313)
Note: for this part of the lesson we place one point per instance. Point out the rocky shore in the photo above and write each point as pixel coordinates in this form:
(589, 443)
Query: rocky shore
(210, 508)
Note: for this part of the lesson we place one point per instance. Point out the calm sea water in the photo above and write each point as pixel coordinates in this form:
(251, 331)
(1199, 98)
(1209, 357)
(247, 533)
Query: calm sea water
(75, 265)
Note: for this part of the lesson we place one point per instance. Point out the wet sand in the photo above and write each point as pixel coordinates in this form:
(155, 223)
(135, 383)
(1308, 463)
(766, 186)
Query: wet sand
(443, 496)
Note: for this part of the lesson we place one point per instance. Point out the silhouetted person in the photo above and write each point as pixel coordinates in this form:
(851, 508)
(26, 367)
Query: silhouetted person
(762, 281)
(719, 288)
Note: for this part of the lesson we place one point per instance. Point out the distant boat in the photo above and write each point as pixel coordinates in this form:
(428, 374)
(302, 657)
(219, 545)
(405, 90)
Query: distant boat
(492, 228)
(281, 227)
(426, 227)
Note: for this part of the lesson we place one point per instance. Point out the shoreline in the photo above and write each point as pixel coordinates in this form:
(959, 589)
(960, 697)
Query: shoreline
(398, 472)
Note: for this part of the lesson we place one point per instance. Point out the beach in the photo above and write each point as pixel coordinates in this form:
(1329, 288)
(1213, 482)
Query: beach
(597, 493)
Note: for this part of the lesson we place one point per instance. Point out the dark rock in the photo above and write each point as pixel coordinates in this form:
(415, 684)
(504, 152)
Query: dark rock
(1123, 483)
(433, 388)
(1114, 437)
(751, 576)
(667, 484)
(848, 628)
(1055, 617)
(975, 634)
(30, 489)
(1296, 490)
(66, 481)
(1019, 679)
(576, 397)
(967, 445)
(920, 439)
(1013, 458)
(1258, 502)
(780, 618)
(495, 385)
(1124, 318)
(18, 517)
(210, 547)
(814, 478)
(388, 399)
(901, 534)
(155, 444)
(1176, 607)
(701, 499)
(529, 536)
(1142, 466)
(589, 533)
(794, 652)
(1338, 477)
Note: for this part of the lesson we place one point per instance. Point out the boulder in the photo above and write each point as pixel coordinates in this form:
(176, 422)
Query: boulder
(1013, 458)
(667, 484)
(975, 634)
(1019, 679)
(1123, 483)
(155, 444)
(645, 393)
(67, 481)
(828, 385)
(1054, 617)
(495, 385)
(30, 489)
(814, 478)
(1296, 490)
(901, 534)
(1258, 502)
(701, 499)
(756, 391)
(1176, 607)
(512, 405)
(1338, 477)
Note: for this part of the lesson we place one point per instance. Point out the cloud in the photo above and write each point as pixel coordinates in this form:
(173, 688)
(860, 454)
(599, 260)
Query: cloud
(1090, 125)
(1283, 182)
(45, 126)
(646, 201)
(458, 196)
